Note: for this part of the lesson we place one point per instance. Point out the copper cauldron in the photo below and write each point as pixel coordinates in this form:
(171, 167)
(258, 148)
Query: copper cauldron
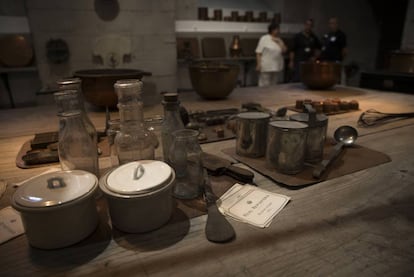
(214, 80)
(320, 75)
(98, 84)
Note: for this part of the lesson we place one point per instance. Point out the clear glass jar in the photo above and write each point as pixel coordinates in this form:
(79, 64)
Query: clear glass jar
(185, 157)
(133, 142)
(172, 122)
(77, 150)
(68, 101)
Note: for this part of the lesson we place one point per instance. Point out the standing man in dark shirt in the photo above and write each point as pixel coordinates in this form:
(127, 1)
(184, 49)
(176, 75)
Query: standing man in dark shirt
(306, 47)
(333, 43)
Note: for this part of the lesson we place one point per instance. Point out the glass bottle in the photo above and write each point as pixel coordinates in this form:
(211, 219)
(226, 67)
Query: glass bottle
(154, 125)
(77, 150)
(172, 122)
(133, 141)
(185, 158)
(114, 126)
(68, 101)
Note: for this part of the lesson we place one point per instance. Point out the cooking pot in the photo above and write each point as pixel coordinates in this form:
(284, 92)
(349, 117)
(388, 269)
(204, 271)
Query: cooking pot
(214, 80)
(98, 84)
(139, 195)
(320, 75)
(58, 209)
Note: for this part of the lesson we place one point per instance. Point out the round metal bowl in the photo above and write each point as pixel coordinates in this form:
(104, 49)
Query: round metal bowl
(98, 84)
(320, 75)
(214, 81)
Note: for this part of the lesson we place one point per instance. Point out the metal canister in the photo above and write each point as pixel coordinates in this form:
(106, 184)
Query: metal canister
(251, 134)
(318, 124)
(286, 144)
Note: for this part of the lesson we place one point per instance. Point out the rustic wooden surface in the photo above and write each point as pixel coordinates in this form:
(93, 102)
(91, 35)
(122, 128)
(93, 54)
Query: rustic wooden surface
(360, 224)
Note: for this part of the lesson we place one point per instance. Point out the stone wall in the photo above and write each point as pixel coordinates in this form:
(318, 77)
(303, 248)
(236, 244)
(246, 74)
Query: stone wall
(149, 25)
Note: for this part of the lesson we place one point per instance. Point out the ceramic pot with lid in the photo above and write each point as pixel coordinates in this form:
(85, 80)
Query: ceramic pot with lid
(139, 195)
(58, 209)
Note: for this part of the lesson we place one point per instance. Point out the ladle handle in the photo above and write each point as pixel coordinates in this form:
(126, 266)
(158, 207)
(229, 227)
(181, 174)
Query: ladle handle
(321, 168)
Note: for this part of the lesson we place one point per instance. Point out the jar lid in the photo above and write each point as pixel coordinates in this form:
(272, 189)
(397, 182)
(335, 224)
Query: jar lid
(138, 177)
(128, 83)
(287, 124)
(55, 188)
(320, 119)
(170, 97)
(69, 81)
(253, 115)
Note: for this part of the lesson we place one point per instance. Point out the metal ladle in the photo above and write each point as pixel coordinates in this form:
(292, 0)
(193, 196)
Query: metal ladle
(345, 136)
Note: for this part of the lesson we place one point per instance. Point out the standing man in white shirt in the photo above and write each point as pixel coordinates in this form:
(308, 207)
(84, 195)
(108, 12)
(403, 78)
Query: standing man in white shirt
(269, 57)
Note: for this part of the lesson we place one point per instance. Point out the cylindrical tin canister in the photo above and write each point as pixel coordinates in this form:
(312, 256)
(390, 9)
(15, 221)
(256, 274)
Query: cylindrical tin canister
(251, 134)
(202, 13)
(218, 15)
(286, 145)
(318, 124)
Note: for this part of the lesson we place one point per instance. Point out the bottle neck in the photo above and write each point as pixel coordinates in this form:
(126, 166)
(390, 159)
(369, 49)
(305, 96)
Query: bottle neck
(69, 102)
(171, 107)
(72, 120)
(131, 115)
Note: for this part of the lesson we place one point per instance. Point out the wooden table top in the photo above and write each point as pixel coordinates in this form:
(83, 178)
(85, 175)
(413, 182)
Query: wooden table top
(359, 224)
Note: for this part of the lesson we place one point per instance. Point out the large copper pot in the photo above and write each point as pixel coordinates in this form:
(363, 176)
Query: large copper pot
(320, 75)
(213, 80)
(98, 84)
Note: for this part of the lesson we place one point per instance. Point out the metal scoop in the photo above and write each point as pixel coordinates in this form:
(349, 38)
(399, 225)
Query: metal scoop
(345, 136)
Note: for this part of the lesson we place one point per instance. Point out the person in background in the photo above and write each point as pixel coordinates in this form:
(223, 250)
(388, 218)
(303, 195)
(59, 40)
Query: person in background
(269, 57)
(333, 43)
(306, 47)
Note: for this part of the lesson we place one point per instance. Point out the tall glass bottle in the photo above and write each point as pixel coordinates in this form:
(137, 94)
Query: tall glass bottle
(67, 101)
(133, 141)
(172, 122)
(77, 150)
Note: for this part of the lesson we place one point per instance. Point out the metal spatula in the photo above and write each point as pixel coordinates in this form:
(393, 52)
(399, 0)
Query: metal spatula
(218, 229)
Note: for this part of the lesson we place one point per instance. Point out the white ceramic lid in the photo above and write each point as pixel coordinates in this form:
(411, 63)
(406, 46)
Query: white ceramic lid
(55, 188)
(139, 177)
(253, 115)
(287, 124)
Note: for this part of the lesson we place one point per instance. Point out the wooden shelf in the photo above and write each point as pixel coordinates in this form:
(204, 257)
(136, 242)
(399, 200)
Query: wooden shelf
(17, 69)
(198, 26)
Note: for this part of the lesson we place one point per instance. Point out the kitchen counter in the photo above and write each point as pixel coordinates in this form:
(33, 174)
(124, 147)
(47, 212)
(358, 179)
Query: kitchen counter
(359, 224)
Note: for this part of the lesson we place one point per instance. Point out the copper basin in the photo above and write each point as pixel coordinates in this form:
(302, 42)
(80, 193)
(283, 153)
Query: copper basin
(98, 84)
(320, 75)
(213, 80)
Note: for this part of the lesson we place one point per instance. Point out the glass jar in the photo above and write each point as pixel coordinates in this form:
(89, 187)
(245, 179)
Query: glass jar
(77, 150)
(68, 101)
(133, 142)
(172, 122)
(185, 157)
